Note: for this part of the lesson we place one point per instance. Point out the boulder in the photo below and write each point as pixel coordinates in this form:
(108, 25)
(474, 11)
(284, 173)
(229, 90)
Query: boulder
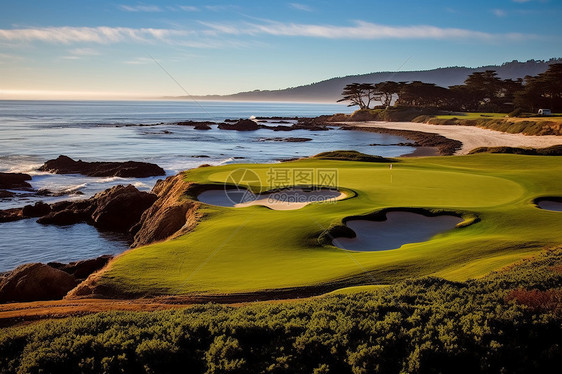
(128, 169)
(14, 181)
(40, 209)
(10, 215)
(82, 269)
(202, 127)
(120, 207)
(35, 281)
(6, 194)
(115, 209)
(242, 125)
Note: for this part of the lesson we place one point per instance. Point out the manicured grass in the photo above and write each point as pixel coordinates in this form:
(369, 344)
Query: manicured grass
(236, 250)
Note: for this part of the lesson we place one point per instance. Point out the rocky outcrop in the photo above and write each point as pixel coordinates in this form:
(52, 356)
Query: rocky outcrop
(14, 181)
(171, 214)
(288, 140)
(115, 209)
(36, 281)
(39, 209)
(120, 207)
(128, 169)
(241, 125)
(31, 282)
(80, 270)
(10, 215)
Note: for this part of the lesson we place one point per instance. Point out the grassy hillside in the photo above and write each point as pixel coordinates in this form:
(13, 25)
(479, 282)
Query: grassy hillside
(240, 250)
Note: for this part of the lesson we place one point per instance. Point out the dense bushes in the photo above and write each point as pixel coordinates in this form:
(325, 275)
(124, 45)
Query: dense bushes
(419, 326)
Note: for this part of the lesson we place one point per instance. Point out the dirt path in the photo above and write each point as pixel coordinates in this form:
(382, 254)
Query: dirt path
(470, 136)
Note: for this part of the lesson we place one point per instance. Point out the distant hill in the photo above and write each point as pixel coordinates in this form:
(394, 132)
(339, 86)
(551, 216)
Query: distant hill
(330, 90)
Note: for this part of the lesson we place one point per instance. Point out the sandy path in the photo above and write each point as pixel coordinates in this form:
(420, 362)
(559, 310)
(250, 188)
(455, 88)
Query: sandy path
(470, 136)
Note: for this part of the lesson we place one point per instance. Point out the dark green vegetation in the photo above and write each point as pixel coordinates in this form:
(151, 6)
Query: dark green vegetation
(481, 91)
(351, 156)
(555, 150)
(508, 322)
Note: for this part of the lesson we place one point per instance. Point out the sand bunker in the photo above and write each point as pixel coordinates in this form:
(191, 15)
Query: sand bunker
(287, 199)
(554, 205)
(399, 228)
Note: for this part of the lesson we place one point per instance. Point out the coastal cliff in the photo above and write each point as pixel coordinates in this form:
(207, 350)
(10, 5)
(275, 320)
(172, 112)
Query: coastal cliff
(171, 215)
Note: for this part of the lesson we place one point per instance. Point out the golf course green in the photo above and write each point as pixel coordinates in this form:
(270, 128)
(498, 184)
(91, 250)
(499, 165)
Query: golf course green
(252, 249)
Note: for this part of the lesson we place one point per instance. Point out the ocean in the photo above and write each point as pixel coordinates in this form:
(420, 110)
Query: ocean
(32, 132)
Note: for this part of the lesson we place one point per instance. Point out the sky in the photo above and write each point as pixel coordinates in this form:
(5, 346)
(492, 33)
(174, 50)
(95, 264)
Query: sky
(120, 49)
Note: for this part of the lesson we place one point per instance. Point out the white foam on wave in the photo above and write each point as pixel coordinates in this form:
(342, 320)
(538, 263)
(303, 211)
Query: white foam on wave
(225, 161)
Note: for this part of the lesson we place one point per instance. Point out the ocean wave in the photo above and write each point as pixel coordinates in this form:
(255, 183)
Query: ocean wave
(230, 159)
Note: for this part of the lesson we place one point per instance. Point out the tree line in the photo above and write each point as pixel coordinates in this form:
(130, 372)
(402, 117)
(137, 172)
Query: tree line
(481, 91)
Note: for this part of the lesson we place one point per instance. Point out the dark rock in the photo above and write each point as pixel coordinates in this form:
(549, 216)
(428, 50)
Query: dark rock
(82, 269)
(202, 127)
(120, 207)
(65, 217)
(200, 156)
(196, 123)
(10, 215)
(36, 281)
(14, 181)
(115, 209)
(289, 140)
(6, 194)
(40, 209)
(242, 125)
(44, 192)
(128, 169)
(281, 128)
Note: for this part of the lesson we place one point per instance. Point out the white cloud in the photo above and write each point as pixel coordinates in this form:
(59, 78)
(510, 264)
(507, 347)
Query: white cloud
(101, 35)
(84, 52)
(360, 30)
(299, 6)
(141, 8)
(189, 8)
(499, 12)
(139, 61)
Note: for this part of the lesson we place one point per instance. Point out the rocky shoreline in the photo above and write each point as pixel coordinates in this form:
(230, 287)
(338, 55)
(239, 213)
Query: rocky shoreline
(146, 217)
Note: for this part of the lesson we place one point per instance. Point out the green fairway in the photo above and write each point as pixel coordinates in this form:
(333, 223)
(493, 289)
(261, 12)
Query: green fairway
(236, 250)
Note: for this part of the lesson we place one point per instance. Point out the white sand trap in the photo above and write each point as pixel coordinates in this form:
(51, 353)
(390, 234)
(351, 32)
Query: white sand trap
(550, 205)
(288, 199)
(399, 228)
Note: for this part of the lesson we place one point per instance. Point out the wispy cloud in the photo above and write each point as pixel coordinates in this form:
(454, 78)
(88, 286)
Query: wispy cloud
(84, 52)
(359, 30)
(188, 8)
(212, 35)
(141, 8)
(139, 61)
(499, 12)
(300, 6)
(101, 35)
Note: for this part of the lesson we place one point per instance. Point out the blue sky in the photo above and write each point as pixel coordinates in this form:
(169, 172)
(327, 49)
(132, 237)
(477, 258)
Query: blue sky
(97, 49)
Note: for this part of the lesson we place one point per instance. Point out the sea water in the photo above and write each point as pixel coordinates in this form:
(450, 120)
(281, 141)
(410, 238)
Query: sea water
(32, 132)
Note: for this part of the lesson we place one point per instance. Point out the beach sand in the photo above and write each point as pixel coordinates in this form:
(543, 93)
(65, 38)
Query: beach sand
(471, 137)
